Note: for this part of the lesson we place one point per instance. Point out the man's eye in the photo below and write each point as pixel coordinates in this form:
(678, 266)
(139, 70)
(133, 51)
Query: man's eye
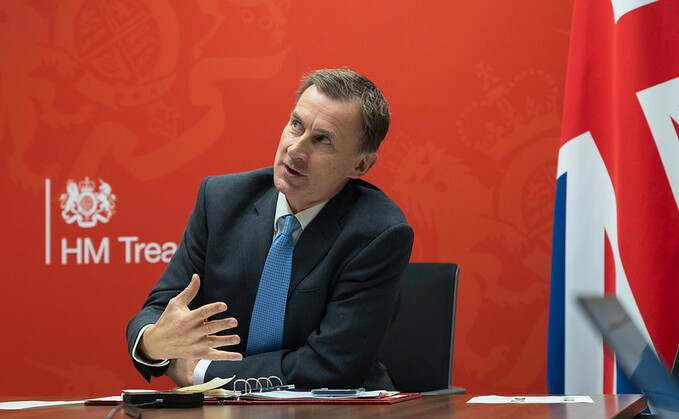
(323, 139)
(296, 125)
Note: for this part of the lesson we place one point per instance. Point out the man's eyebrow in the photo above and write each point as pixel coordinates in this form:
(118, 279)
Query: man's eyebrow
(330, 134)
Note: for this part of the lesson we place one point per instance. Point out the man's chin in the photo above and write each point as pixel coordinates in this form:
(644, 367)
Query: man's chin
(285, 185)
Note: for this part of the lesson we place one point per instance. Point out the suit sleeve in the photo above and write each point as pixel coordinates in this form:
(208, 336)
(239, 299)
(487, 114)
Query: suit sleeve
(342, 351)
(187, 260)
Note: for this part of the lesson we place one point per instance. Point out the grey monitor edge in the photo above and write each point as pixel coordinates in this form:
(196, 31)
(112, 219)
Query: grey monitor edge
(634, 354)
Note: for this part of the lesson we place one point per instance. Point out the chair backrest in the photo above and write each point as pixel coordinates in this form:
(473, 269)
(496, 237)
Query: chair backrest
(418, 348)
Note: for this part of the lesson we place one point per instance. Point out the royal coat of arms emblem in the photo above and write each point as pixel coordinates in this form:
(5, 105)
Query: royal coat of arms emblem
(86, 204)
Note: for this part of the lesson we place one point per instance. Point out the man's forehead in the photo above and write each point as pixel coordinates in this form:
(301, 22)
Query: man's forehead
(325, 113)
(314, 92)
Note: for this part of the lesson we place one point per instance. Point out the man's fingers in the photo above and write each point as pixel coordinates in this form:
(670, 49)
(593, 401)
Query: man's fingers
(209, 310)
(216, 326)
(190, 292)
(216, 341)
(207, 348)
(217, 355)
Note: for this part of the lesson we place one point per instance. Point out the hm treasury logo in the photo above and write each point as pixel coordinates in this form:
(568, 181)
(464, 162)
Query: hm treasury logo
(82, 204)
(86, 204)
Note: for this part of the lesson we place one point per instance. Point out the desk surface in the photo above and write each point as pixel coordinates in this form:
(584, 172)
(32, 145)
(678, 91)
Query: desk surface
(619, 406)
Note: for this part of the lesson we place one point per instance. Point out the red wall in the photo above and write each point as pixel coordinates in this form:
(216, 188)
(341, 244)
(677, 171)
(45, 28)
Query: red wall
(151, 96)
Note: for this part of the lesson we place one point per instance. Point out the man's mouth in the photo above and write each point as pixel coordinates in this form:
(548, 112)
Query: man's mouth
(292, 171)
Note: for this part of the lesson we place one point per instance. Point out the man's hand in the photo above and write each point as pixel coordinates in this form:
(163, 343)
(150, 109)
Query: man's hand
(181, 333)
(181, 371)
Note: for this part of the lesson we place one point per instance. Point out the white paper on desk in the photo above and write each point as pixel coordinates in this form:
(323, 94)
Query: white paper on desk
(29, 404)
(530, 399)
(210, 385)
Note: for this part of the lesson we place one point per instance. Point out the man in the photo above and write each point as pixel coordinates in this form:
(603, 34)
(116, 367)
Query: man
(348, 259)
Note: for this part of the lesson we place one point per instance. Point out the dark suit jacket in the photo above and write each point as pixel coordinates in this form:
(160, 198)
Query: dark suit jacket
(346, 273)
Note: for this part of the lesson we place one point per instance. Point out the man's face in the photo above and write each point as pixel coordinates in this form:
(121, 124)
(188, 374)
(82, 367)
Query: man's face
(317, 152)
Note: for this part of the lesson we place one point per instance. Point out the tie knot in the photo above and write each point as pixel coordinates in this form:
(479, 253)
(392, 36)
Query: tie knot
(291, 225)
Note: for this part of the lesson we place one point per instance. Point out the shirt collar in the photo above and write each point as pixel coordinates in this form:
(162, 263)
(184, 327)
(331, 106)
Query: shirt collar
(304, 217)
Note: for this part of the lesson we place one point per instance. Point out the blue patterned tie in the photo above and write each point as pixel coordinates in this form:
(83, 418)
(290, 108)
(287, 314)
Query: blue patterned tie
(268, 315)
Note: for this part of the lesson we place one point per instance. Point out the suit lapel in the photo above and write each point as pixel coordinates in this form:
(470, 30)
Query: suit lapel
(256, 237)
(319, 236)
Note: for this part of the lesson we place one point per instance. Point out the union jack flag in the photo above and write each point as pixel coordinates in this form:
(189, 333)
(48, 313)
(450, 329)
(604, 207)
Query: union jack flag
(616, 217)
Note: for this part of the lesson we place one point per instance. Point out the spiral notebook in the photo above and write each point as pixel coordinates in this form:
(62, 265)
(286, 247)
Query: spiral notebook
(304, 398)
(271, 390)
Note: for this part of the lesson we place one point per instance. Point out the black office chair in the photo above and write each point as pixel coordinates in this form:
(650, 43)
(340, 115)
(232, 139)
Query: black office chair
(418, 349)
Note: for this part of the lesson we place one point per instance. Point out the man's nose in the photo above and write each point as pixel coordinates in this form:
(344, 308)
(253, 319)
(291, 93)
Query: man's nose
(298, 147)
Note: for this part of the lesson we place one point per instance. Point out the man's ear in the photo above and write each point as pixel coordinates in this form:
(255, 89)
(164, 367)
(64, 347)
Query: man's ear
(366, 163)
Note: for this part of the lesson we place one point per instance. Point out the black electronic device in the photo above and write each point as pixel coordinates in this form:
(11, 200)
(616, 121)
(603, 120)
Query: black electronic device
(171, 399)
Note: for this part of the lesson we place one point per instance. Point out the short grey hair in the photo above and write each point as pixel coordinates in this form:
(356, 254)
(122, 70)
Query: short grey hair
(346, 85)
